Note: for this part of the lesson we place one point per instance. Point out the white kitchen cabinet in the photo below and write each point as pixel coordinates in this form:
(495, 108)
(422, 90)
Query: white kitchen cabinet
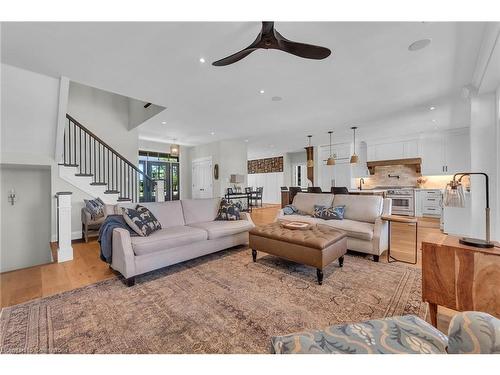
(339, 174)
(433, 155)
(445, 153)
(428, 202)
(393, 150)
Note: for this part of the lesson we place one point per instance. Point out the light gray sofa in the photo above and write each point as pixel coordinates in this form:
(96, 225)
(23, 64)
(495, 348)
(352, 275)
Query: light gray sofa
(189, 230)
(366, 231)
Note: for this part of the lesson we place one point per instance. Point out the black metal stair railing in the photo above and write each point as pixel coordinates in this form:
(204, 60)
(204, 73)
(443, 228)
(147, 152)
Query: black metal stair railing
(95, 158)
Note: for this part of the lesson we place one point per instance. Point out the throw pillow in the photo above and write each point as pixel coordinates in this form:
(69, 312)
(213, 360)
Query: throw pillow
(290, 209)
(148, 218)
(329, 213)
(228, 211)
(138, 222)
(95, 207)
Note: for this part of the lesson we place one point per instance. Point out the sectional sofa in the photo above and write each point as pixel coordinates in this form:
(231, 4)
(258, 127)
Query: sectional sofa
(189, 230)
(365, 229)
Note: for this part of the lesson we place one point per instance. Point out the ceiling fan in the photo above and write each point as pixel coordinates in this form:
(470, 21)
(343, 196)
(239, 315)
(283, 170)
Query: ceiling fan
(270, 38)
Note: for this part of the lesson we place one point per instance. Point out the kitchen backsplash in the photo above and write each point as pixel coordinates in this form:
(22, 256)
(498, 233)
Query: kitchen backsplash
(407, 177)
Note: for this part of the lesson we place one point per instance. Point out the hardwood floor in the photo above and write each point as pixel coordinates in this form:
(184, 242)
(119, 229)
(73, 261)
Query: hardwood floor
(86, 267)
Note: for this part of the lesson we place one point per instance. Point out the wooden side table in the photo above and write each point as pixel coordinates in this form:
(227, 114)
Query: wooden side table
(406, 220)
(460, 277)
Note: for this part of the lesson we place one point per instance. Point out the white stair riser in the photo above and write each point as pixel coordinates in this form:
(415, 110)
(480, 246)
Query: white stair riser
(83, 183)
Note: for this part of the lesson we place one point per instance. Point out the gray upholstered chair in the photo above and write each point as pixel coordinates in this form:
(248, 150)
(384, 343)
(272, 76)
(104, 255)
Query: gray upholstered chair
(469, 332)
(89, 224)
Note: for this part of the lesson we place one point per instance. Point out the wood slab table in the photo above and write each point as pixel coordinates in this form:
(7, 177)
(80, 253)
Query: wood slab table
(460, 277)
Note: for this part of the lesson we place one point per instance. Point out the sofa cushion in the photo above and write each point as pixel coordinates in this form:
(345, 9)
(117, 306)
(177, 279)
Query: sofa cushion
(304, 202)
(353, 229)
(365, 208)
(95, 207)
(228, 211)
(329, 213)
(141, 222)
(217, 229)
(148, 217)
(200, 210)
(167, 238)
(169, 214)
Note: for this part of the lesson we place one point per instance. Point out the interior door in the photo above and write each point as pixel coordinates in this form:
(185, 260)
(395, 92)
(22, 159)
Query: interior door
(25, 224)
(202, 179)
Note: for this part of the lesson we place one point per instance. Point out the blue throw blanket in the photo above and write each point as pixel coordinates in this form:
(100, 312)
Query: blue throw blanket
(106, 235)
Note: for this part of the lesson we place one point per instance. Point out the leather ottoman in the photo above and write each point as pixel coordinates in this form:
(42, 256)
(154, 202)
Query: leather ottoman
(316, 247)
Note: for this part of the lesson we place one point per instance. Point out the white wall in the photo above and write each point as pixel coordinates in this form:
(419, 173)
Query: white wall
(29, 121)
(137, 114)
(231, 157)
(271, 182)
(107, 115)
(484, 151)
(29, 115)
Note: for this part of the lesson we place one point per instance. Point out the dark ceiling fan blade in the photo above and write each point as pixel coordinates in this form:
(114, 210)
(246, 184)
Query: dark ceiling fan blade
(307, 51)
(234, 57)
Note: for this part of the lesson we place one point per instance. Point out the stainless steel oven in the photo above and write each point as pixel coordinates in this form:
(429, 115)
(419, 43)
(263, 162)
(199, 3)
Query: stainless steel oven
(402, 201)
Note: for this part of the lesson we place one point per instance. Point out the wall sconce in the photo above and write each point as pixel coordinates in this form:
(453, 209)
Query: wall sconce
(12, 196)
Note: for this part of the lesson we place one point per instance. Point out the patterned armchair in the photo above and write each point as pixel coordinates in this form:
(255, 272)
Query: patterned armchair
(469, 332)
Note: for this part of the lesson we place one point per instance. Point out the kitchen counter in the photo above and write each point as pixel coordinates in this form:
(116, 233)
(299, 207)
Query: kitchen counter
(368, 191)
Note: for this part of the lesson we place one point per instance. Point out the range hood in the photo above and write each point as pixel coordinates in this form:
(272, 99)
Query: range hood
(416, 162)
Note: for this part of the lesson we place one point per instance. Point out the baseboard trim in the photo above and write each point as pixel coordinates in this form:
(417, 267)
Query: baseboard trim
(77, 235)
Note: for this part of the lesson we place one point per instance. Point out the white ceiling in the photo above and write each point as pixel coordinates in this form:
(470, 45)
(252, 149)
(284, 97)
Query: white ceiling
(371, 79)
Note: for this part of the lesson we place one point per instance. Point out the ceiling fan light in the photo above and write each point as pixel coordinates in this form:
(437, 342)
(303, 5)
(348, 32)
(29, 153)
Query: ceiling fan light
(354, 159)
(330, 161)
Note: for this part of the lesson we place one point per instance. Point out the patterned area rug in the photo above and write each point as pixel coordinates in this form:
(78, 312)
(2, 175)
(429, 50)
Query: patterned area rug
(220, 303)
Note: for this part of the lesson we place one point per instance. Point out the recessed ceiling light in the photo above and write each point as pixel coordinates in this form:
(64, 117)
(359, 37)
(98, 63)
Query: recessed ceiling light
(432, 108)
(246, 140)
(434, 120)
(202, 60)
(261, 91)
(163, 122)
(419, 44)
(212, 133)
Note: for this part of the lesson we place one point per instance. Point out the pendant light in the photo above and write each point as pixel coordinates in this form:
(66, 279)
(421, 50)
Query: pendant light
(331, 159)
(174, 149)
(309, 153)
(354, 157)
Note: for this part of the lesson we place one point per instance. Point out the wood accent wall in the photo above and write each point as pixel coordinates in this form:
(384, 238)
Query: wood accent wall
(268, 165)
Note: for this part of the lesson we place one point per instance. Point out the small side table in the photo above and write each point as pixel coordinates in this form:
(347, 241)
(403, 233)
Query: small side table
(406, 220)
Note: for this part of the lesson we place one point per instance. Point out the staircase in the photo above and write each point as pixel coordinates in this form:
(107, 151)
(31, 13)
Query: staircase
(96, 168)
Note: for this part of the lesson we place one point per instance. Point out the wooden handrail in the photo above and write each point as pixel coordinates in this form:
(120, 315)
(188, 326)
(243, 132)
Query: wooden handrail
(77, 123)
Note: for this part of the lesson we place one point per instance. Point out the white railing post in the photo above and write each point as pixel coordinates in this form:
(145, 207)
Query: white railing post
(64, 248)
(160, 190)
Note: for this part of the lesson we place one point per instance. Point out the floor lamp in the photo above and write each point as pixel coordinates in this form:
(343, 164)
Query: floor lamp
(454, 197)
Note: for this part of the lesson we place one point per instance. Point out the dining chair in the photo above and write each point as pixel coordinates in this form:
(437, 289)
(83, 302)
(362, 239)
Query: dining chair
(260, 191)
(339, 190)
(314, 189)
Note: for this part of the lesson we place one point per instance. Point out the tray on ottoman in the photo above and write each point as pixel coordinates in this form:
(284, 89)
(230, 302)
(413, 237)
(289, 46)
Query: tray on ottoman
(316, 247)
